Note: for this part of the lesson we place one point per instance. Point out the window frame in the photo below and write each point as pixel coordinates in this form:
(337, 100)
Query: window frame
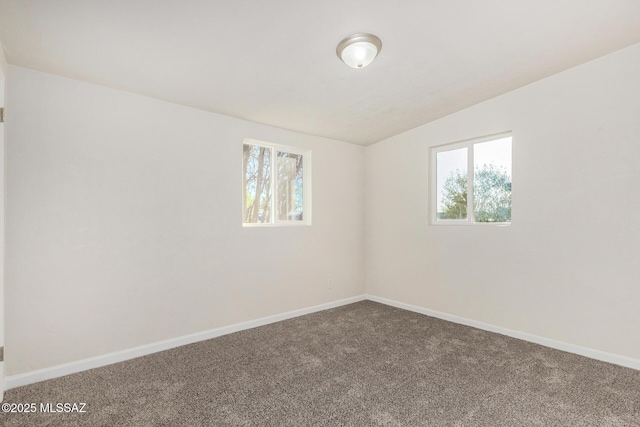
(306, 184)
(433, 184)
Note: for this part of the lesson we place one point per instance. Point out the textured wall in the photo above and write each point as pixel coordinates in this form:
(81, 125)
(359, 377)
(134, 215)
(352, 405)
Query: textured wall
(124, 223)
(567, 268)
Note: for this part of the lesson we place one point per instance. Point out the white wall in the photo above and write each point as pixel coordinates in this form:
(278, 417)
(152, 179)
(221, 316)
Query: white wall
(568, 268)
(3, 69)
(124, 218)
(3, 61)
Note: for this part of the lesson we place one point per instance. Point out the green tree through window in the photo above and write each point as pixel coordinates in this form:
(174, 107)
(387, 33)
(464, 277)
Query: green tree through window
(491, 192)
(471, 181)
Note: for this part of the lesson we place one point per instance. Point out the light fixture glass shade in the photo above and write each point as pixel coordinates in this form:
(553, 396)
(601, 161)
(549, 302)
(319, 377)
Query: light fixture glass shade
(359, 50)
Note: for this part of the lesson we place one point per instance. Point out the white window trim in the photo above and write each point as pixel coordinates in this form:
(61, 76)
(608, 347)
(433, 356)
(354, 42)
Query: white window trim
(433, 186)
(306, 183)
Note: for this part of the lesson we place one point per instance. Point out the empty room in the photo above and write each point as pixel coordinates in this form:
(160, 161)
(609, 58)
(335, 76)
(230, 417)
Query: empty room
(318, 213)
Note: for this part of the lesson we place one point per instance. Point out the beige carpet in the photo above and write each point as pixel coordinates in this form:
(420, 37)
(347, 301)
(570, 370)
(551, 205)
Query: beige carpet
(364, 364)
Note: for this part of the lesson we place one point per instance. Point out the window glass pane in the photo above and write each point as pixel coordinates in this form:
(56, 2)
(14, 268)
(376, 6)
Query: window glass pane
(289, 187)
(492, 181)
(257, 184)
(451, 181)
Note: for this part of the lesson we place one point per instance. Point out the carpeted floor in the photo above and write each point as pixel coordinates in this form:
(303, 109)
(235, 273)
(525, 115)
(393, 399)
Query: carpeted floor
(364, 364)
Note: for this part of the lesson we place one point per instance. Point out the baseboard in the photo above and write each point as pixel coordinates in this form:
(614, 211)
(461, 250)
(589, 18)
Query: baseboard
(19, 380)
(616, 359)
(14, 381)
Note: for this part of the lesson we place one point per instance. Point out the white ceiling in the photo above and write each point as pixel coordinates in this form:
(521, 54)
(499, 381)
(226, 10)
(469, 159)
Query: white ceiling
(274, 62)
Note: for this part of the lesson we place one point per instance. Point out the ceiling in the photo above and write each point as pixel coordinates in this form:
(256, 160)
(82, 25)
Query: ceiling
(274, 62)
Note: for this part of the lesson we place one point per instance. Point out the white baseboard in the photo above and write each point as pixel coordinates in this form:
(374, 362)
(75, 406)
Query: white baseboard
(14, 381)
(616, 359)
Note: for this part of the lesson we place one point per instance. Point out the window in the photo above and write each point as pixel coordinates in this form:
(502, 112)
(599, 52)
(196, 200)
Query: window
(275, 184)
(471, 181)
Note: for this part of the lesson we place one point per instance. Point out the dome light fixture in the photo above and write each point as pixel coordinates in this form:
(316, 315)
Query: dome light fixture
(359, 50)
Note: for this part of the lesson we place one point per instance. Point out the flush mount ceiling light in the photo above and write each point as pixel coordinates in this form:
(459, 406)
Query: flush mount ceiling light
(359, 50)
